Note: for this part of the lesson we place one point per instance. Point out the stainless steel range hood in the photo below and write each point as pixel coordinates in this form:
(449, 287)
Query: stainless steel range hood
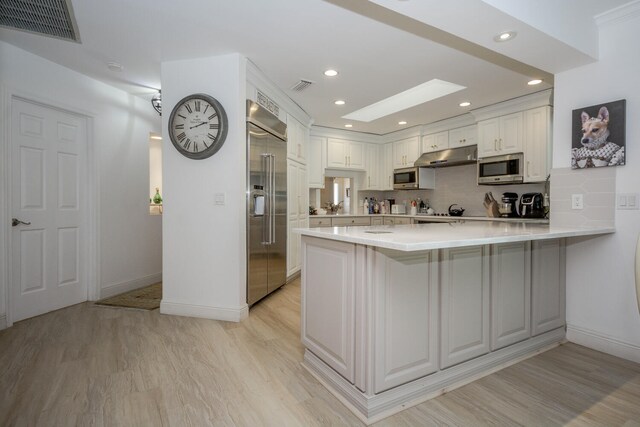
(450, 157)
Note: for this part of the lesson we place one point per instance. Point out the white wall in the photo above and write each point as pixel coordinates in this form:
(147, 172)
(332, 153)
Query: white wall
(205, 244)
(130, 240)
(601, 301)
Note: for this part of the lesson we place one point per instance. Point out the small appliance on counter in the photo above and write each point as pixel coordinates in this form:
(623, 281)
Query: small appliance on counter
(531, 205)
(509, 206)
(455, 211)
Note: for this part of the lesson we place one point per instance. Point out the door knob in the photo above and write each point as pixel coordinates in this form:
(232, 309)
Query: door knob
(16, 221)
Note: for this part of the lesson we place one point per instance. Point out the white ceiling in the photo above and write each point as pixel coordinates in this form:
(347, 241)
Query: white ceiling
(380, 48)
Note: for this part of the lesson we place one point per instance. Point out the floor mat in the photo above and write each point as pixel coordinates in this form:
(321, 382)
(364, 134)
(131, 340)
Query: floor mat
(147, 298)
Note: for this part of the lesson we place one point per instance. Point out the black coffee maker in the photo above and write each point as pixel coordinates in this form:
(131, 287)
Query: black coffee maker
(532, 205)
(509, 200)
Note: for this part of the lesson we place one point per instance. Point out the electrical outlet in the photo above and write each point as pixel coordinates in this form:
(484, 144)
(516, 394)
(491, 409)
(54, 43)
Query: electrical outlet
(577, 201)
(218, 199)
(627, 201)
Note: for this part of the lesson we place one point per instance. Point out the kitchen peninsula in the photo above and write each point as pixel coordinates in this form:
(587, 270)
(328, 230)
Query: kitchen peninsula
(392, 316)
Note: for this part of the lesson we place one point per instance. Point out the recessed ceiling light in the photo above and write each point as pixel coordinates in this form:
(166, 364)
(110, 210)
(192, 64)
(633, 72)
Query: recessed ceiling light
(465, 104)
(115, 66)
(331, 73)
(505, 36)
(417, 95)
(534, 82)
(402, 122)
(339, 102)
(348, 125)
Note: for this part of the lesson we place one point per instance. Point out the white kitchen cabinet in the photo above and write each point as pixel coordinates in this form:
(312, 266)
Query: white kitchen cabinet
(462, 137)
(328, 314)
(350, 221)
(406, 152)
(537, 144)
(297, 139)
(377, 221)
(405, 297)
(297, 212)
(372, 167)
(435, 142)
(510, 293)
(344, 154)
(319, 221)
(394, 220)
(464, 290)
(317, 161)
(501, 135)
(386, 167)
(547, 285)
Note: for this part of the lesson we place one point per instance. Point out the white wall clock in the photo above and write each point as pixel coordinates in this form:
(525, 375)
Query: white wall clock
(198, 126)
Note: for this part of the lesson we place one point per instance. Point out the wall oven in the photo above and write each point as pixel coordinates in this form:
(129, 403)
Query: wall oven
(506, 169)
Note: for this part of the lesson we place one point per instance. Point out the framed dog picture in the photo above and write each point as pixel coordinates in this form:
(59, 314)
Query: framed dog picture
(599, 135)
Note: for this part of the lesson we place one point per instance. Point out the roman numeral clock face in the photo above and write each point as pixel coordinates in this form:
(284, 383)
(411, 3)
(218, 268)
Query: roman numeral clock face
(198, 126)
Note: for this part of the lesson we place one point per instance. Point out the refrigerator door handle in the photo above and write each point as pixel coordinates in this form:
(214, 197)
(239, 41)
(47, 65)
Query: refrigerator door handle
(272, 195)
(266, 229)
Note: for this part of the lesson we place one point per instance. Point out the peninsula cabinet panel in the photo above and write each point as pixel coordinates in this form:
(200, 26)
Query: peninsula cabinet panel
(548, 285)
(464, 289)
(510, 293)
(328, 307)
(406, 317)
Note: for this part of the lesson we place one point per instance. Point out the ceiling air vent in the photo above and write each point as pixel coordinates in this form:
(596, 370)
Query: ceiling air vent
(301, 85)
(53, 18)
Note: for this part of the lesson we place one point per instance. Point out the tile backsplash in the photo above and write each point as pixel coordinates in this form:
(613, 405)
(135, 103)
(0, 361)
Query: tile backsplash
(598, 187)
(456, 184)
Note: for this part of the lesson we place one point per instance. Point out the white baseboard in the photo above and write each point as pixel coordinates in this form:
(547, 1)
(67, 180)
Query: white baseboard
(130, 285)
(604, 343)
(229, 314)
(3, 321)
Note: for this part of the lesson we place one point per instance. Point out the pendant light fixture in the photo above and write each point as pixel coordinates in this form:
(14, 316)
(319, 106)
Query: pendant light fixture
(156, 102)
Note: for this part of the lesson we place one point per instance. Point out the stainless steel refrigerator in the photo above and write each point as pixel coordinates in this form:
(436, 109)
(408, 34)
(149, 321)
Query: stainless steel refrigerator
(266, 202)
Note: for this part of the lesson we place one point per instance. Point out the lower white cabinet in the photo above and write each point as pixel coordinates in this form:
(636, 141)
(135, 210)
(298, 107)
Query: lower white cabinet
(405, 299)
(394, 220)
(510, 293)
(377, 221)
(547, 285)
(464, 290)
(328, 321)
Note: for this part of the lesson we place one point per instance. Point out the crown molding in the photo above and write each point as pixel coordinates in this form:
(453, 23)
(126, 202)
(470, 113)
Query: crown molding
(522, 103)
(256, 77)
(466, 119)
(618, 14)
(350, 135)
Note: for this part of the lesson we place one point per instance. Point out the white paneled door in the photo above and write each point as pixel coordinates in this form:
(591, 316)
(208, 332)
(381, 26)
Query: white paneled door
(48, 149)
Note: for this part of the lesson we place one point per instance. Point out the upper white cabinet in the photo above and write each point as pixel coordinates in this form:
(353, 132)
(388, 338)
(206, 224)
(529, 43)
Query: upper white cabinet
(406, 152)
(372, 163)
(500, 135)
(317, 161)
(343, 154)
(297, 137)
(386, 167)
(537, 144)
(462, 137)
(435, 142)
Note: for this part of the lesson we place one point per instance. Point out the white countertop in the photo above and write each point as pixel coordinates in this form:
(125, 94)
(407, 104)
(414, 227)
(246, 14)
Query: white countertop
(418, 237)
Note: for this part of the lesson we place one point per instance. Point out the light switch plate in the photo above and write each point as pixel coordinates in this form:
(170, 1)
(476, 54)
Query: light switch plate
(577, 201)
(218, 199)
(628, 201)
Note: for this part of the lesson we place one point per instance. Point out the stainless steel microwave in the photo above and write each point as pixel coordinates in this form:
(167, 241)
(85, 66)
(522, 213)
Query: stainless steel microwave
(506, 169)
(415, 178)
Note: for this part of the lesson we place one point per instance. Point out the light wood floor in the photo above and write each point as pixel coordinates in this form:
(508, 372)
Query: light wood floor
(95, 366)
